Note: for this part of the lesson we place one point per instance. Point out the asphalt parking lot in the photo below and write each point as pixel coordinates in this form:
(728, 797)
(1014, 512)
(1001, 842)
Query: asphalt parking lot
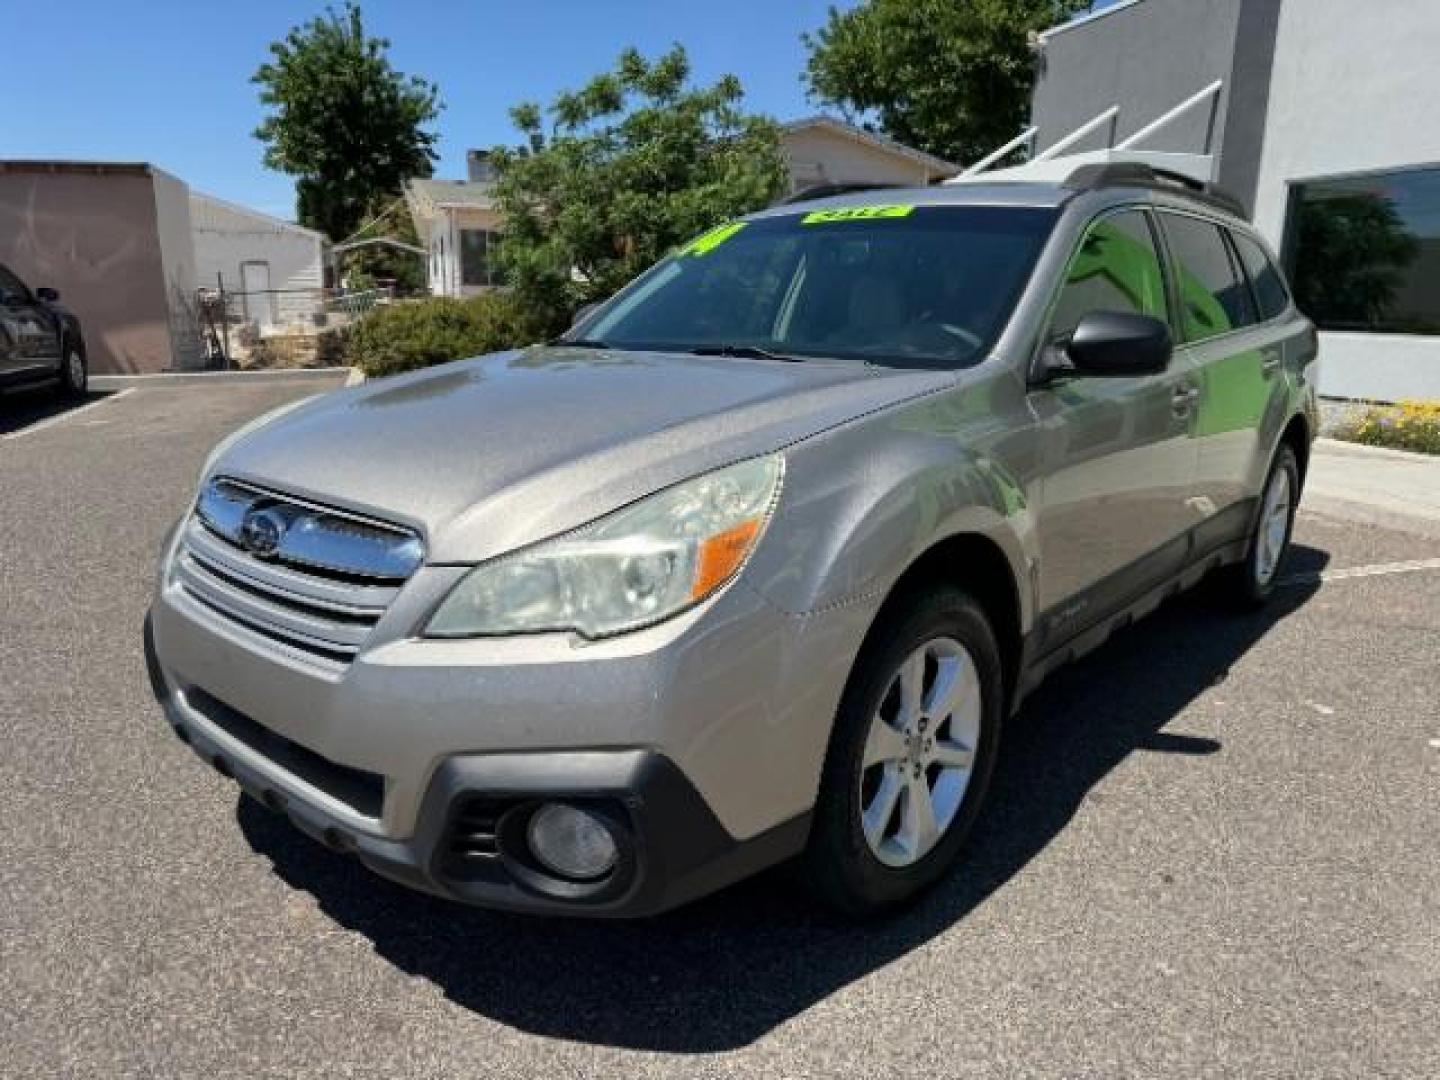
(1213, 849)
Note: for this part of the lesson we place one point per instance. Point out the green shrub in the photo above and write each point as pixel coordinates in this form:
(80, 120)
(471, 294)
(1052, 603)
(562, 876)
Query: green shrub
(404, 336)
(1409, 425)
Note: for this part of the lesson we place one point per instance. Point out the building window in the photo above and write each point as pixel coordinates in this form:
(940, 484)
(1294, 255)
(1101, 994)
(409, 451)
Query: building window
(1365, 251)
(477, 257)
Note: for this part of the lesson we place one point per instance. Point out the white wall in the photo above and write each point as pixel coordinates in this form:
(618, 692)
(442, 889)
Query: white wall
(177, 262)
(817, 156)
(226, 236)
(1355, 88)
(443, 265)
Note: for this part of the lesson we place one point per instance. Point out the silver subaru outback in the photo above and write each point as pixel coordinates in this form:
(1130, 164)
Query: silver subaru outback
(754, 563)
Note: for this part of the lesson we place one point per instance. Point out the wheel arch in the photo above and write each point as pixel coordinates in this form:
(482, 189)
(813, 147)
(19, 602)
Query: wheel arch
(978, 564)
(1297, 436)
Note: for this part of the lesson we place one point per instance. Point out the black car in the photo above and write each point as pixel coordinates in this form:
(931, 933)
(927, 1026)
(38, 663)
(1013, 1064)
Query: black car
(40, 340)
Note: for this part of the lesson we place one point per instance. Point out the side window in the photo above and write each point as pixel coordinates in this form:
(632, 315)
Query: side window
(1214, 298)
(1116, 268)
(1270, 291)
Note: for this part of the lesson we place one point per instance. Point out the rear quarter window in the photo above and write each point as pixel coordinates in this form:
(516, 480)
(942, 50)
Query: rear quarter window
(1270, 292)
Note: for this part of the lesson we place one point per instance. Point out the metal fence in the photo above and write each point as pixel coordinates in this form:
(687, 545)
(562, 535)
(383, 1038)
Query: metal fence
(236, 325)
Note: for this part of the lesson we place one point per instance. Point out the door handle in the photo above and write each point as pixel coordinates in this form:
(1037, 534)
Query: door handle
(1183, 398)
(1269, 360)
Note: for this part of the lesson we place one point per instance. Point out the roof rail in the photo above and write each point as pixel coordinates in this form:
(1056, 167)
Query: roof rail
(1138, 174)
(824, 191)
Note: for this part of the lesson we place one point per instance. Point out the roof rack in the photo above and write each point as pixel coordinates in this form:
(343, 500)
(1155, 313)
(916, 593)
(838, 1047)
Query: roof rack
(824, 191)
(1137, 174)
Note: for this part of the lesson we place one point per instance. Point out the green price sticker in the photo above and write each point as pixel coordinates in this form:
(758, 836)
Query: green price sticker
(856, 213)
(708, 242)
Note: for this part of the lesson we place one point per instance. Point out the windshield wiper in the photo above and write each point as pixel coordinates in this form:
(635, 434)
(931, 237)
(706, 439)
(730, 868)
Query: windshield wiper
(580, 343)
(744, 352)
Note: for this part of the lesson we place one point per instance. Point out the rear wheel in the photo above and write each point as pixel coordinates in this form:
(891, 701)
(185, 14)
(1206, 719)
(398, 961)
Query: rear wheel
(911, 755)
(1252, 582)
(74, 375)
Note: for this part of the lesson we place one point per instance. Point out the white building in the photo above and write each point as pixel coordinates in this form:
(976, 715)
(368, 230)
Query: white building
(275, 269)
(821, 151)
(1324, 121)
(457, 220)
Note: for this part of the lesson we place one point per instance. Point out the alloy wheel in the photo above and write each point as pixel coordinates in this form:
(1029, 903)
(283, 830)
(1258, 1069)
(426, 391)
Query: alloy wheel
(920, 752)
(1273, 531)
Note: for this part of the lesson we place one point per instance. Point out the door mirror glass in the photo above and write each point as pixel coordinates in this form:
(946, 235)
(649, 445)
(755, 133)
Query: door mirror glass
(48, 294)
(1119, 343)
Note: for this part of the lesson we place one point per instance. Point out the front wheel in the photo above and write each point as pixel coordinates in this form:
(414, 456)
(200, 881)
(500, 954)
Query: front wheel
(911, 755)
(74, 376)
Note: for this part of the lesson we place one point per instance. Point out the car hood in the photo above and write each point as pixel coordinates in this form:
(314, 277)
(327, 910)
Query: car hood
(483, 456)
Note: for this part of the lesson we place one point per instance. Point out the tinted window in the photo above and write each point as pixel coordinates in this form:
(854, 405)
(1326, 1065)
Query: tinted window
(1115, 269)
(477, 258)
(1269, 287)
(1213, 297)
(1366, 252)
(910, 286)
(12, 291)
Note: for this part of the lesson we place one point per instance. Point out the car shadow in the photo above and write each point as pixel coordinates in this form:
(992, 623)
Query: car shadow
(722, 972)
(23, 408)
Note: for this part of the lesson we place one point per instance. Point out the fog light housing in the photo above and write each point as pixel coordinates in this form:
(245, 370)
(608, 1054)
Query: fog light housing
(572, 843)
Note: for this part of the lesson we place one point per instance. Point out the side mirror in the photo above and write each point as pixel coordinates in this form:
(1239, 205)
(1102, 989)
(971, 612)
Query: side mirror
(48, 294)
(1119, 343)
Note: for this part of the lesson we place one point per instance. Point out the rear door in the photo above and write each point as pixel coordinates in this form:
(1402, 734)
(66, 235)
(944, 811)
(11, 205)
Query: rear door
(1120, 460)
(29, 343)
(1237, 356)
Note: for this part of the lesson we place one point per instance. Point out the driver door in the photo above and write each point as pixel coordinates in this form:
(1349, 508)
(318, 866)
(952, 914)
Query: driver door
(1120, 457)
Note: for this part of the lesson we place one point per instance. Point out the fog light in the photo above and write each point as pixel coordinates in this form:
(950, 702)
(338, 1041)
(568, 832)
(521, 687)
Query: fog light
(570, 842)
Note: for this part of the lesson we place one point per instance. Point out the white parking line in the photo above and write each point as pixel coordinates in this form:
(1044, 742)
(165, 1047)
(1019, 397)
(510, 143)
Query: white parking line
(70, 414)
(1373, 570)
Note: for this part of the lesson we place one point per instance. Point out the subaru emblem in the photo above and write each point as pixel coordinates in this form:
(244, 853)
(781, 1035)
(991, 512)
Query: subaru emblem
(261, 532)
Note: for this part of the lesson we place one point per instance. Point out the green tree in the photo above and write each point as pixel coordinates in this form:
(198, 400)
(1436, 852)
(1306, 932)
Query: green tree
(951, 77)
(633, 164)
(343, 122)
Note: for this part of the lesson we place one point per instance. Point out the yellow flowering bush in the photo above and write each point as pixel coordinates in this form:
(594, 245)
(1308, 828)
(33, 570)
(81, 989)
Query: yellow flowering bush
(1408, 425)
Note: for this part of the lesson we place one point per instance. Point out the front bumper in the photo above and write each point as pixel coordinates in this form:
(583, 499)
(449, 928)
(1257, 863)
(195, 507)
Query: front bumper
(673, 848)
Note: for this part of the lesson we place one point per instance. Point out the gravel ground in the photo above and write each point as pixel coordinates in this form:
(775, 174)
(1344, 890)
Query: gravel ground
(1211, 850)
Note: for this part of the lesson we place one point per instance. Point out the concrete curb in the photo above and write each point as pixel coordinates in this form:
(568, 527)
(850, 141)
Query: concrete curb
(1353, 449)
(211, 378)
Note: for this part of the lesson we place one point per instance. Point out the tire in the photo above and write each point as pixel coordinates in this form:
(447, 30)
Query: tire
(74, 372)
(865, 871)
(1251, 582)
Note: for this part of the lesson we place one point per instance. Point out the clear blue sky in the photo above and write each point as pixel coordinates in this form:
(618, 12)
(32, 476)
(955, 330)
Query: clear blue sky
(167, 81)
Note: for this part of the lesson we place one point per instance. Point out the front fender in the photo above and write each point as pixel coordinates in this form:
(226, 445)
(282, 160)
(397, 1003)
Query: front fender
(863, 502)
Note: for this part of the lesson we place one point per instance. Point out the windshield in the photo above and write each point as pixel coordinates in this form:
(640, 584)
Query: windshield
(911, 286)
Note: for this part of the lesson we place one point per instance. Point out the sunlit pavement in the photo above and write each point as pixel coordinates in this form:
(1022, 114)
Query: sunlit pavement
(1213, 848)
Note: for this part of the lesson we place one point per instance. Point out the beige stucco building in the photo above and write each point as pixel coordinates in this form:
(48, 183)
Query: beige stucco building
(114, 239)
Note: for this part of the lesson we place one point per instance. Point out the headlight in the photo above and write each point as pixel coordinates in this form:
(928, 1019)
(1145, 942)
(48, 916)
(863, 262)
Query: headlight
(636, 567)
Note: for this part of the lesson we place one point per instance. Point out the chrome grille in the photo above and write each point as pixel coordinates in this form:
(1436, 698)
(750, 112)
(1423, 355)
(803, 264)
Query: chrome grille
(318, 581)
